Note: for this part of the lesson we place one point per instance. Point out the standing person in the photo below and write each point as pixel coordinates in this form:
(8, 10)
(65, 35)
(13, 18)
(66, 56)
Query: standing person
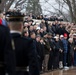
(42, 47)
(7, 56)
(47, 52)
(24, 47)
(37, 43)
(40, 51)
(61, 52)
(70, 52)
(56, 53)
(74, 49)
(65, 51)
(51, 56)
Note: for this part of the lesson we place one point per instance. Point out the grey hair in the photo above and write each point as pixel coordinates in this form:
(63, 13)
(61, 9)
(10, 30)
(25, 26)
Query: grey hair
(70, 39)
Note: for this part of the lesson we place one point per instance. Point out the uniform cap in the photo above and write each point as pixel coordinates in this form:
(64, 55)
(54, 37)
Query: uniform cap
(14, 16)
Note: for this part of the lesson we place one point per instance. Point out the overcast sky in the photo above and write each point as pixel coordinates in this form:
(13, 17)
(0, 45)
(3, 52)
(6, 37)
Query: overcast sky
(48, 6)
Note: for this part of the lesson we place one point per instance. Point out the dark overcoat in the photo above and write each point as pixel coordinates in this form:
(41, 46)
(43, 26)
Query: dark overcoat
(7, 56)
(25, 53)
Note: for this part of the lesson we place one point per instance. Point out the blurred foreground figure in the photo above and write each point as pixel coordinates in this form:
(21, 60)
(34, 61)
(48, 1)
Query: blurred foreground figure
(7, 58)
(26, 57)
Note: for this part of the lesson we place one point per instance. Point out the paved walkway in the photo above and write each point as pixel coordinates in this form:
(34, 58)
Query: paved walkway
(71, 71)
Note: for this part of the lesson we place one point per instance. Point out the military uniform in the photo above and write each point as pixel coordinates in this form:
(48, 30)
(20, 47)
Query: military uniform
(7, 57)
(25, 55)
(24, 50)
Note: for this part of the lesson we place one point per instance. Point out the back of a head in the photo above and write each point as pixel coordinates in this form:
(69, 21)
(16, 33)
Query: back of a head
(15, 20)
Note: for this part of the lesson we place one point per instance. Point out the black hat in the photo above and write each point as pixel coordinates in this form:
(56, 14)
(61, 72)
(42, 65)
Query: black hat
(14, 16)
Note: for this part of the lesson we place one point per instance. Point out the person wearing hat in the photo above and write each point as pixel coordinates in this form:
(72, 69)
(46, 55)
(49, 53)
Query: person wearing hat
(65, 51)
(7, 56)
(26, 57)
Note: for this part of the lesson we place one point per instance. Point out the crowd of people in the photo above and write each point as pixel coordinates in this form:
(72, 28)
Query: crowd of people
(45, 17)
(54, 42)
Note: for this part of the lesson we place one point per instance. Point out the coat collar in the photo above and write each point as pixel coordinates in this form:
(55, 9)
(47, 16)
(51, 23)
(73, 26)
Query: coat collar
(14, 31)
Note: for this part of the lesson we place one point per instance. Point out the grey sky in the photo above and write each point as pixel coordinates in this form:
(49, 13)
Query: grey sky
(48, 6)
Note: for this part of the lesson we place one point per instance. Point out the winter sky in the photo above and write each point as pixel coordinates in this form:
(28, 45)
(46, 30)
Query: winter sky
(48, 5)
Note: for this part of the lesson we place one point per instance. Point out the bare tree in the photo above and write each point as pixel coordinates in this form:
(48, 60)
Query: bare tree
(21, 4)
(5, 4)
(34, 7)
(31, 6)
(58, 11)
(72, 9)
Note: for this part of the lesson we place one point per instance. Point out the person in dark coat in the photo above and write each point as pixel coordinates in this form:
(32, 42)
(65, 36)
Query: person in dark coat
(56, 53)
(26, 56)
(65, 51)
(55, 27)
(51, 56)
(61, 30)
(61, 52)
(40, 51)
(74, 36)
(46, 52)
(70, 52)
(7, 56)
(74, 51)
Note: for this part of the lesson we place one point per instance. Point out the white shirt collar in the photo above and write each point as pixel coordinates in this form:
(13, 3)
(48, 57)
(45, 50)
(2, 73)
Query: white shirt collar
(14, 31)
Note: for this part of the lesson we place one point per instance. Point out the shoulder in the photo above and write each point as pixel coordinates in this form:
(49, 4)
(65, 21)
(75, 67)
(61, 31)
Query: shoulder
(3, 28)
(28, 40)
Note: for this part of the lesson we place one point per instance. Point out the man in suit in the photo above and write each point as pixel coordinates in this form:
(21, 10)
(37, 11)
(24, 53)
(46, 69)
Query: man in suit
(24, 47)
(7, 57)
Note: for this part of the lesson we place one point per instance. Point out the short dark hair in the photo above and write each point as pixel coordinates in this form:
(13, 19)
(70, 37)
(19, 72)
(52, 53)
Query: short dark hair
(38, 36)
(31, 33)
